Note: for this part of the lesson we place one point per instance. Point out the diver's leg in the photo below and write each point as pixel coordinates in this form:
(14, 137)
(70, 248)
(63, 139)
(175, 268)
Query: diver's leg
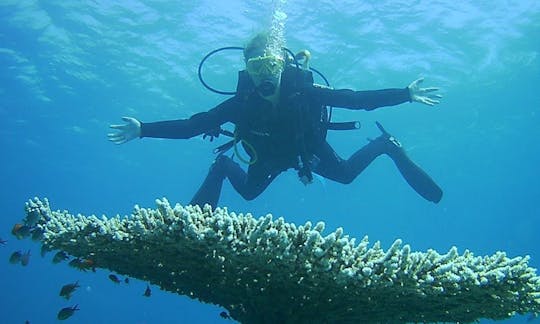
(248, 185)
(333, 167)
(258, 178)
(210, 190)
(417, 178)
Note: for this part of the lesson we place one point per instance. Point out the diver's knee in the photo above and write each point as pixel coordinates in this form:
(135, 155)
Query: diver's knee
(249, 196)
(220, 162)
(346, 179)
(250, 192)
(222, 159)
(346, 176)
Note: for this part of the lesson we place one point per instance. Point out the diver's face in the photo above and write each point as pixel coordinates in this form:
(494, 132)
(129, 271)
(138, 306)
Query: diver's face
(265, 71)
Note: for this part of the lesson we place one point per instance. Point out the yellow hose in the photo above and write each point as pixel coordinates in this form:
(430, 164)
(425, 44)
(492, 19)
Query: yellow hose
(248, 147)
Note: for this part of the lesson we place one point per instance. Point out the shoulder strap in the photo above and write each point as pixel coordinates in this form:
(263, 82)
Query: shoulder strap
(245, 85)
(294, 79)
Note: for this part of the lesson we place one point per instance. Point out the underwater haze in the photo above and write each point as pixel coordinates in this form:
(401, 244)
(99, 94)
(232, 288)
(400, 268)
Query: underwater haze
(69, 69)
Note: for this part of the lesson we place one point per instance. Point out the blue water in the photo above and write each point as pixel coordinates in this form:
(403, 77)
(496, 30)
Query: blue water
(68, 69)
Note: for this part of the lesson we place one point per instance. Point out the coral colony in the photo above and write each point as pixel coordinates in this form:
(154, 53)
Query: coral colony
(265, 271)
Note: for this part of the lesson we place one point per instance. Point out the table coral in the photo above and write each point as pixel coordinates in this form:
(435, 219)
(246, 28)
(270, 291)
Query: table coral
(266, 270)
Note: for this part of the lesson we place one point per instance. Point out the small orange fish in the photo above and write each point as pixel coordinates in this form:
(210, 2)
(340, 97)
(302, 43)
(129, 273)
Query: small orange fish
(67, 312)
(16, 229)
(114, 278)
(15, 257)
(25, 258)
(89, 264)
(148, 291)
(20, 231)
(83, 264)
(68, 289)
(59, 257)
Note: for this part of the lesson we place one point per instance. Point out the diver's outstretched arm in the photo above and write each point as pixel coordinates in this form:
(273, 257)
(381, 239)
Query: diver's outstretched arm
(423, 95)
(197, 124)
(373, 99)
(125, 132)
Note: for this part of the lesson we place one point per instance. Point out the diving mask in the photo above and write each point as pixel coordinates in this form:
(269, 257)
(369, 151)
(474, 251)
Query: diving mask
(265, 72)
(264, 66)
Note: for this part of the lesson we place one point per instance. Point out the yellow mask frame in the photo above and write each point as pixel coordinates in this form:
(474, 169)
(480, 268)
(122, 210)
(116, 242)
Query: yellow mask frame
(262, 66)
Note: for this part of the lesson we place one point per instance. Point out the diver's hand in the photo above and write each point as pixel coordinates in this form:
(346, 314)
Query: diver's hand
(213, 133)
(125, 132)
(423, 95)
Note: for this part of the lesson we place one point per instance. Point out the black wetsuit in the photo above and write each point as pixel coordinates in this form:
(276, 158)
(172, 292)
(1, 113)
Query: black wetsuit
(281, 136)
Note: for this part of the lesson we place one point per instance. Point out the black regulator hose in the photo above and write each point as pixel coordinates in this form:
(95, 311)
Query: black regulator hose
(204, 60)
(321, 75)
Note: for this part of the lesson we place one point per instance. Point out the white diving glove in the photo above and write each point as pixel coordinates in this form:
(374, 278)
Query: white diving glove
(423, 95)
(125, 132)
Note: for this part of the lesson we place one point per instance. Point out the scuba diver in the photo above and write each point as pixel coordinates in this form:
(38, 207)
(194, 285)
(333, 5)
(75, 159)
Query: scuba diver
(281, 120)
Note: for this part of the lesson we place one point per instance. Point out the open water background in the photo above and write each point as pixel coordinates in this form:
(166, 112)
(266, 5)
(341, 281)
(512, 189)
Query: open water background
(68, 69)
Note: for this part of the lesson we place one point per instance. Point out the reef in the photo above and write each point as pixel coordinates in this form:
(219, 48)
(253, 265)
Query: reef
(265, 270)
